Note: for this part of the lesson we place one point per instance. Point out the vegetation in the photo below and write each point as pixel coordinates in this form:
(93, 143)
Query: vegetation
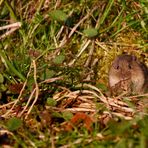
(54, 65)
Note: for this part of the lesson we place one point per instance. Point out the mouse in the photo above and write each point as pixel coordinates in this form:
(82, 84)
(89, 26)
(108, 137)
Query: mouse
(127, 74)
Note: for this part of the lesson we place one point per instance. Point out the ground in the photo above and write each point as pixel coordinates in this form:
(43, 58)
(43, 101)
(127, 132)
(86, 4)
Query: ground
(55, 57)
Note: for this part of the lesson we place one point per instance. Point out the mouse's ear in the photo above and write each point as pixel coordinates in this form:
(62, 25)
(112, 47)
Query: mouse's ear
(116, 63)
(134, 58)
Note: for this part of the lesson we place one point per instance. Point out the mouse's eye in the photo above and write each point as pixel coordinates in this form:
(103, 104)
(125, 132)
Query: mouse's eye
(117, 67)
(129, 66)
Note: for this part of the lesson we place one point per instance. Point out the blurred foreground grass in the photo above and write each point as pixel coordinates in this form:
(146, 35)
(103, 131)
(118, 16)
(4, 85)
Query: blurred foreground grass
(54, 62)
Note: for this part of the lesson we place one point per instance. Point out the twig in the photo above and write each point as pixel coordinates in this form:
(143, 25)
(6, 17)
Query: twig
(19, 97)
(27, 104)
(141, 95)
(90, 54)
(51, 80)
(82, 20)
(13, 27)
(36, 89)
(78, 109)
(84, 46)
(121, 115)
(5, 105)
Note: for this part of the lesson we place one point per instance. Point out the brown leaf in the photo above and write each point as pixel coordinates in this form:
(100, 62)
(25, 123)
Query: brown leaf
(80, 118)
(15, 88)
(34, 53)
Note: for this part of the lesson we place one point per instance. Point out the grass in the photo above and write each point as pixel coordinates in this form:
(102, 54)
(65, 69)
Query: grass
(54, 65)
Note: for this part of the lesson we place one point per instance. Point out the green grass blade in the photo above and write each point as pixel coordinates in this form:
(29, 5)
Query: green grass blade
(11, 67)
(12, 14)
(107, 9)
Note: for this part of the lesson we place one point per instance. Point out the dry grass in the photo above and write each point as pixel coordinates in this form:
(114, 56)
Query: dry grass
(55, 58)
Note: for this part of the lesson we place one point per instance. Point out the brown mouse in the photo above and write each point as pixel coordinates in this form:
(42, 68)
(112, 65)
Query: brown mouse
(128, 74)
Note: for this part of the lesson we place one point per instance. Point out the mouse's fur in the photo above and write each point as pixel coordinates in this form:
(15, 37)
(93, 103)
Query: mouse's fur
(128, 74)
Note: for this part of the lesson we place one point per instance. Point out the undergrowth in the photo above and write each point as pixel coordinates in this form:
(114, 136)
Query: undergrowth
(55, 57)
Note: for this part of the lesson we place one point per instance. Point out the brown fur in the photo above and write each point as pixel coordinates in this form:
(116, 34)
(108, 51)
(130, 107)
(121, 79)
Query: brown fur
(127, 74)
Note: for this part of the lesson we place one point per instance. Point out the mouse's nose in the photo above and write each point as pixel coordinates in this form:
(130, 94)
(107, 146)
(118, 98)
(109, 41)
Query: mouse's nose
(125, 75)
